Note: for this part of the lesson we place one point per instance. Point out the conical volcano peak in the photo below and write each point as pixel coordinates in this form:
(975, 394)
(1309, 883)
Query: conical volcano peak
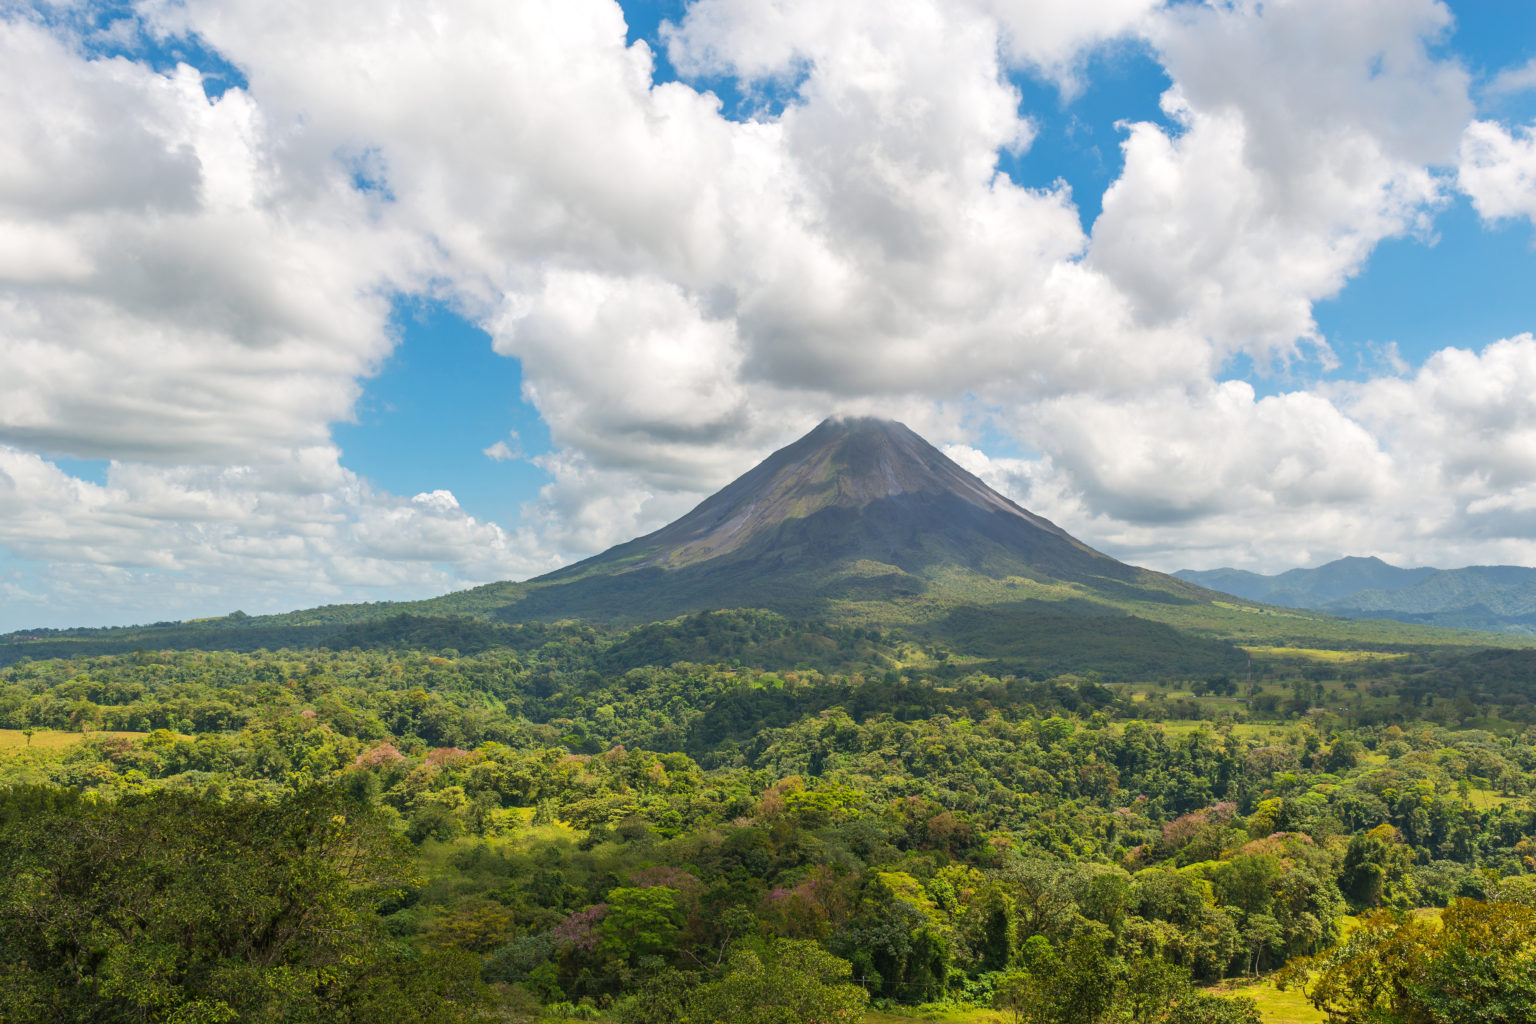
(864, 446)
(854, 490)
(871, 428)
(852, 461)
(860, 511)
(834, 429)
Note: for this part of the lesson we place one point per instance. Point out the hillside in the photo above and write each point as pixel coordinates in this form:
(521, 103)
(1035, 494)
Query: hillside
(1496, 598)
(1308, 588)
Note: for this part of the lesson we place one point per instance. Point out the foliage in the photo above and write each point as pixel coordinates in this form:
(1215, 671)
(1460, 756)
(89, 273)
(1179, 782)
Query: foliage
(1200, 1008)
(172, 907)
(645, 822)
(1477, 965)
(787, 981)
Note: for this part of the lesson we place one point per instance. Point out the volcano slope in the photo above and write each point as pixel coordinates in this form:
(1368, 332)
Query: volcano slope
(863, 520)
(859, 515)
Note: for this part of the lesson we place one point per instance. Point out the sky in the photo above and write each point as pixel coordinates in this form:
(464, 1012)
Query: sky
(312, 303)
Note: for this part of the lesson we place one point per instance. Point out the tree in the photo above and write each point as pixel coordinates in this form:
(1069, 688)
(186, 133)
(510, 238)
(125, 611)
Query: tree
(1152, 986)
(1481, 968)
(1024, 994)
(785, 981)
(640, 922)
(662, 998)
(1201, 1008)
(1362, 977)
(1478, 967)
(1377, 870)
(893, 940)
(1078, 984)
(172, 907)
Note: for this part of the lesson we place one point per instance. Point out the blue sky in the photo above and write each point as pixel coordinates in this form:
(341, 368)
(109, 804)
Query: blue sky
(377, 304)
(441, 399)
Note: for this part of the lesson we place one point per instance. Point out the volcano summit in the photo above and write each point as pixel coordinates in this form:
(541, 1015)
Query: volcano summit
(859, 512)
(860, 522)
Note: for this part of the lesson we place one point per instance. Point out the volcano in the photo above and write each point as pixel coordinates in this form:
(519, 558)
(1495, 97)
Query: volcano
(860, 523)
(856, 514)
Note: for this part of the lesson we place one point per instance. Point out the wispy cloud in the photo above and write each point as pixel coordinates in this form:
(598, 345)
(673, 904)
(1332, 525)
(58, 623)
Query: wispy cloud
(506, 450)
(1513, 81)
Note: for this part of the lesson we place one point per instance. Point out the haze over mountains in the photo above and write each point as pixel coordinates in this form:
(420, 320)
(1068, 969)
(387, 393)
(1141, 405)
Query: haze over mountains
(1499, 598)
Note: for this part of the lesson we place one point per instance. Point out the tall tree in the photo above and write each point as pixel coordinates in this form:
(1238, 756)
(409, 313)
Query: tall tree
(170, 907)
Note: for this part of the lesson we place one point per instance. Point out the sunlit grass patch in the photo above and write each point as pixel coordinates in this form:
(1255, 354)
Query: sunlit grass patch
(1320, 654)
(50, 739)
(1184, 726)
(1488, 799)
(1275, 1006)
(934, 1014)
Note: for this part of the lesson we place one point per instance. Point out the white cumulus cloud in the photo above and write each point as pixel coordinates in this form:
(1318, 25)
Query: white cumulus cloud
(1498, 170)
(196, 288)
(1306, 132)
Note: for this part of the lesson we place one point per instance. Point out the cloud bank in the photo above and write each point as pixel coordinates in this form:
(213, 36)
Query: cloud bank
(195, 284)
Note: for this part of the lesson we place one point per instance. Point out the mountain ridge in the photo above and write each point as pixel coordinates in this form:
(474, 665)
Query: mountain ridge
(1497, 598)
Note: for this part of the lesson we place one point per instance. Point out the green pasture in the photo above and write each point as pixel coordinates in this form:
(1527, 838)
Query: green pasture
(1248, 730)
(1488, 799)
(1275, 1006)
(935, 1015)
(1322, 654)
(12, 740)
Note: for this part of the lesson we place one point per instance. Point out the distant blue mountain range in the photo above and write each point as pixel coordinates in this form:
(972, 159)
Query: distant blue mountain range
(1501, 598)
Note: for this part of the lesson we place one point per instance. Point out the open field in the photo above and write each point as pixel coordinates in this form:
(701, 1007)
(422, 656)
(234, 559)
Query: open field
(934, 1015)
(1276, 1007)
(50, 739)
(1248, 730)
(1487, 799)
(1320, 654)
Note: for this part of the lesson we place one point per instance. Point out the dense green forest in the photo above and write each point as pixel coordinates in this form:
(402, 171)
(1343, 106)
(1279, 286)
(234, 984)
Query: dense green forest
(737, 817)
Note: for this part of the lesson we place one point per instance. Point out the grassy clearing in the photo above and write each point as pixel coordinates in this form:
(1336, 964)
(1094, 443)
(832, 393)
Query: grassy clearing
(1276, 1007)
(1319, 654)
(1181, 727)
(12, 740)
(934, 1015)
(1487, 799)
